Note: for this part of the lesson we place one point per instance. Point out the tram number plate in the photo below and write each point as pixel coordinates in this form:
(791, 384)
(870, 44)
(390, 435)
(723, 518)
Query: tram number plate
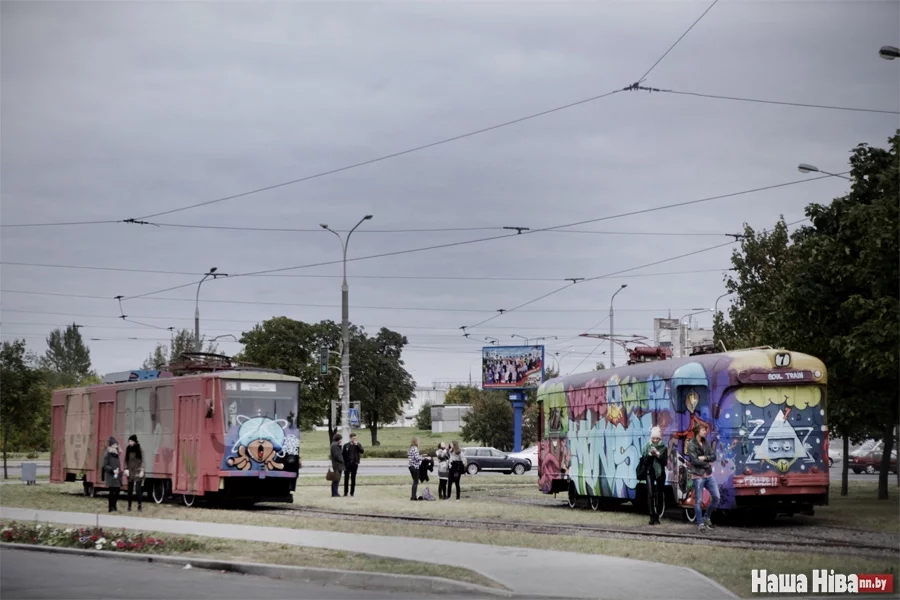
(758, 481)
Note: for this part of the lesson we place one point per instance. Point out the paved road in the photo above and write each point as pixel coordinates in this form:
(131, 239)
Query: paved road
(30, 575)
(523, 570)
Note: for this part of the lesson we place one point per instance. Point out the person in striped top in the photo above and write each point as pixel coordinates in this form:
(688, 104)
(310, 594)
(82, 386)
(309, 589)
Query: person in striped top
(415, 460)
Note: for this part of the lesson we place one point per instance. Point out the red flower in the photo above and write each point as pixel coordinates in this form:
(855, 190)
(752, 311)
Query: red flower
(120, 544)
(33, 540)
(94, 538)
(160, 542)
(151, 541)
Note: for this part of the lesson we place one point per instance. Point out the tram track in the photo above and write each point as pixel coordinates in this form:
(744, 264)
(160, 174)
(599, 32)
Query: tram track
(820, 544)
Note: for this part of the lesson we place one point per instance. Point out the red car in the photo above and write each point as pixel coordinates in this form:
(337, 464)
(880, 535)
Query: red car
(870, 461)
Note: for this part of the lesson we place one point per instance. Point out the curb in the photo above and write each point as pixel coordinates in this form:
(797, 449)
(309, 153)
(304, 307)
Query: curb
(726, 593)
(352, 579)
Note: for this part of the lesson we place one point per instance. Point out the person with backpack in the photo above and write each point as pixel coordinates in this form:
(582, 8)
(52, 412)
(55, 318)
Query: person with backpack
(458, 464)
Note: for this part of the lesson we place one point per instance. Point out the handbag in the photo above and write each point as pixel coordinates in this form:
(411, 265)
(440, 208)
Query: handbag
(332, 475)
(643, 469)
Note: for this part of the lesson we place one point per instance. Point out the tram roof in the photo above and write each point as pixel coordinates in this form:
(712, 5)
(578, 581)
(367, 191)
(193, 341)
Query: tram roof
(736, 360)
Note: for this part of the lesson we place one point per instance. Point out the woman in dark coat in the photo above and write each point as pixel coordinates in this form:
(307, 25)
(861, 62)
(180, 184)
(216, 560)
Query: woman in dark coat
(112, 473)
(134, 471)
(337, 463)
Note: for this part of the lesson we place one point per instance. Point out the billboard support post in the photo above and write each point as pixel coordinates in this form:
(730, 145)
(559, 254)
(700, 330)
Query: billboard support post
(518, 401)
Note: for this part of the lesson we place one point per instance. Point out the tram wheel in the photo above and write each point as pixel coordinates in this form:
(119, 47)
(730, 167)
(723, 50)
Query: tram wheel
(188, 499)
(573, 496)
(159, 491)
(689, 515)
(88, 489)
(595, 502)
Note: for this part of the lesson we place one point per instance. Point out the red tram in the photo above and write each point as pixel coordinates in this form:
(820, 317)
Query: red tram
(212, 429)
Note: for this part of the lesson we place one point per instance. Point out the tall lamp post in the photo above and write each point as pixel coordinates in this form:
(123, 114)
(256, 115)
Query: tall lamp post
(697, 311)
(612, 351)
(345, 330)
(716, 305)
(212, 273)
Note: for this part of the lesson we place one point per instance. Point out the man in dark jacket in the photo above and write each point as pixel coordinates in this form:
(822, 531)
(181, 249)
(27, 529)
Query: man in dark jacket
(352, 451)
(111, 469)
(702, 457)
(134, 471)
(337, 464)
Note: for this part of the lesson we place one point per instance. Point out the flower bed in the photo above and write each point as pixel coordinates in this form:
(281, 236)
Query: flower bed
(93, 538)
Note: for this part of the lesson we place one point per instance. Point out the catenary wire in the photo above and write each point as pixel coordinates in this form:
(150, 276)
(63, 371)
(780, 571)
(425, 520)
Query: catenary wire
(384, 157)
(777, 102)
(672, 47)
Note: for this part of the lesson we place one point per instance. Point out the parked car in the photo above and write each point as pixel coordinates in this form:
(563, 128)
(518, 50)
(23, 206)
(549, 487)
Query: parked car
(529, 454)
(491, 459)
(870, 462)
(834, 456)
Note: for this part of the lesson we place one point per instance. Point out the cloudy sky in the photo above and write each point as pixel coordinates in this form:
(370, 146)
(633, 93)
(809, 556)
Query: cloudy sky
(122, 110)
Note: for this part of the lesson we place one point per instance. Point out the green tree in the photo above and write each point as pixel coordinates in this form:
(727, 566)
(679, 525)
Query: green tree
(423, 419)
(462, 394)
(831, 290)
(599, 366)
(378, 378)
(67, 360)
(25, 409)
(490, 422)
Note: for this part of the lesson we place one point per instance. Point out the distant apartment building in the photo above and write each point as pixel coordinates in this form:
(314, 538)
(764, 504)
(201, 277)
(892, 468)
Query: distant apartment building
(680, 338)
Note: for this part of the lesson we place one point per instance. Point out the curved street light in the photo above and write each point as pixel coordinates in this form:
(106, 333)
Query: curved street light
(697, 311)
(805, 168)
(612, 352)
(716, 305)
(345, 329)
(211, 273)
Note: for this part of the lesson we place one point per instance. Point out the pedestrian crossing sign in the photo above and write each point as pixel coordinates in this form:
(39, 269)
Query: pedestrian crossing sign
(354, 417)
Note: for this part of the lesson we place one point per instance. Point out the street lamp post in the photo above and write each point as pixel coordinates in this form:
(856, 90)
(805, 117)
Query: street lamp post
(716, 305)
(345, 330)
(682, 332)
(612, 352)
(212, 273)
(805, 168)
(516, 335)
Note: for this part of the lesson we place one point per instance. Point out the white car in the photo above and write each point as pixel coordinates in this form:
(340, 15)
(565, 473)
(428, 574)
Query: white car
(834, 456)
(530, 454)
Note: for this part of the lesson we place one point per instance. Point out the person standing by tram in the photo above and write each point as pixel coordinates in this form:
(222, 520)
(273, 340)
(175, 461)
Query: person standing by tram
(702, 456)
(657, 455)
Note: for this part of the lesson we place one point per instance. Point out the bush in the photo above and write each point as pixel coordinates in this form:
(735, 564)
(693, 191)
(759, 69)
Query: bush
(93, 538)
(423, 419)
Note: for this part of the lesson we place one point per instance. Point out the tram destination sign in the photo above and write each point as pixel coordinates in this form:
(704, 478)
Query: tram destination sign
(776, 376)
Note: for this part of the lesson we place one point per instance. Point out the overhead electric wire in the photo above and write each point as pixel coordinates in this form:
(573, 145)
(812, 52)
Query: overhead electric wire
(382, 158)
(104, 222)
(672, 47)
(556, 291)
(316, 276)
(778, 102)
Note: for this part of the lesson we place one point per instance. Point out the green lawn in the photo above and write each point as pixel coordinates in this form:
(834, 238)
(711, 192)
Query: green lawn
(730, 567)
(298, 556)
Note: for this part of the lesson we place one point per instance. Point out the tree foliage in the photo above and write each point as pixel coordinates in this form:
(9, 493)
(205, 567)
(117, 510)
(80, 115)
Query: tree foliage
(832, 289)
(25, 409)
(490, 422)
(67, 361)
(181, 341)
(462, 394)
(423, 419)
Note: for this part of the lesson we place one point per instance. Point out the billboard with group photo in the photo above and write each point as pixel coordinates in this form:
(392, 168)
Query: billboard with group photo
(512, 367)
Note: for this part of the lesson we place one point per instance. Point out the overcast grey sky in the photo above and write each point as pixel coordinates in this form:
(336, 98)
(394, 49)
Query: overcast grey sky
(118, 110)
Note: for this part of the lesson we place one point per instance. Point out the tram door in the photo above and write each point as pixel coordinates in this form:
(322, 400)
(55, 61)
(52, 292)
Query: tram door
(692, 407)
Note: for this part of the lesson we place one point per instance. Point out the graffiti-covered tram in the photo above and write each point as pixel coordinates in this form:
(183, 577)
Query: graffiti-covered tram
(228, 435)
(765, 410)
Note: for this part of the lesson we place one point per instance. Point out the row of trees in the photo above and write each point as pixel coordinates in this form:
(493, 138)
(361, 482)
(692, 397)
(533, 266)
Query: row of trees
(378, 378)
(830, 289)
(27, 381)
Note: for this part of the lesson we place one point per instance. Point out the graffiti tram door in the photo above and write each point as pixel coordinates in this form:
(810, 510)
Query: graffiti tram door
(58, 430)
(691, 395)
(187, 460)
(105, 426)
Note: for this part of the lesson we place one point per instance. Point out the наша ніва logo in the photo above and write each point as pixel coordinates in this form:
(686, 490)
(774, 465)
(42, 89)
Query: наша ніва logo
(822, 581)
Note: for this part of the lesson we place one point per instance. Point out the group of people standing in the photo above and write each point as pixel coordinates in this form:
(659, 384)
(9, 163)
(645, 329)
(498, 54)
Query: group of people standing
(345, 460)
(451, 466)
(134, 472)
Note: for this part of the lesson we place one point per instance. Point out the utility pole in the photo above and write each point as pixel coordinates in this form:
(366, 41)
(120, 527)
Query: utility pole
(212, 273)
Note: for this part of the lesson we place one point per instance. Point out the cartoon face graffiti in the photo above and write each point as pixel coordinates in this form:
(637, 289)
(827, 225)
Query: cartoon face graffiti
(260, 440)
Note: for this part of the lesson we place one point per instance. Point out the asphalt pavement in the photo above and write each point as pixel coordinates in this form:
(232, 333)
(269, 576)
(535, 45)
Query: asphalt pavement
(33, 575)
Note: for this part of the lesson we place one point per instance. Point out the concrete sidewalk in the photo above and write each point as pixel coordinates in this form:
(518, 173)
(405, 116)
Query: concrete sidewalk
(523, 570)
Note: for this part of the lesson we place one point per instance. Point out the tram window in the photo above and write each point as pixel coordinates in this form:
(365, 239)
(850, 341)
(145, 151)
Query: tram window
(690, 398)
